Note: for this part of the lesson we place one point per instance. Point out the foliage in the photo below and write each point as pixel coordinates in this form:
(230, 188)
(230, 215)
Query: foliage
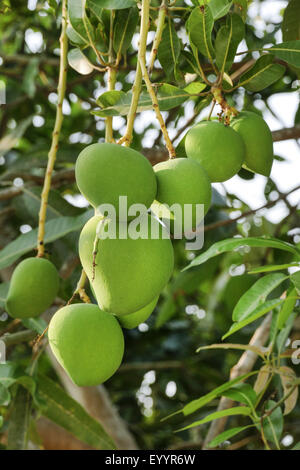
(244, 270)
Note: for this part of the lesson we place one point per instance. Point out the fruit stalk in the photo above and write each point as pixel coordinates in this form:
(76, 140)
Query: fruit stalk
(227, 110)
(61, 89)
(142, 62)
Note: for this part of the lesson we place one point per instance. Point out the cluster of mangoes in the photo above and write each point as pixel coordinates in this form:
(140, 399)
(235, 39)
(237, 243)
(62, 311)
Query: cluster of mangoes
(127, 274)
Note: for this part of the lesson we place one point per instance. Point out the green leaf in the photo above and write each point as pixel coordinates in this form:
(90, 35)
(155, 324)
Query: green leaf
(195, 405)
(291, 21)
(273, 424)
(231, 244)
(287, 308)
(227, 41)
(274, 267)
(256, 295)
(224, 436)
(1, 422)
(254, 315)
(200, 25)
(124, 28)
(284, 333)
(79, 21)
(242, 393)
(17, 435)
(79, 62)
(35, 324)
(296, 447)
(54, 229)
(237, 410)
(288, 51)
(118, 102)
(74, 37)
(241, 7)
(219, 8)
(60, 408)
(295, 278)
(262, 74)
(114, 4)
(169, 48)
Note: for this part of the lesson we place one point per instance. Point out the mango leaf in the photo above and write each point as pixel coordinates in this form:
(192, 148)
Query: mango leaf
(287, 308)
(35, 324)
(273, 424)
(288, 51)
(284, 333)
(55, 228)
(291, 23)
(262, 379)
(224, 436)
(274, 267)
(17, 435)
(242, 393)
(75, 38)
(295, 278)
(195, 405)
(237, 410)
(114, 4)
(227, 41)
(219, 8)
(115, 103)
(60, 408)
(256, 295)
(124, 28)
(79, 62)
(262, 74)
(287, 377)
(231, 244)
(200, 25)
(169, 48)
(241, 7)
(79, 21)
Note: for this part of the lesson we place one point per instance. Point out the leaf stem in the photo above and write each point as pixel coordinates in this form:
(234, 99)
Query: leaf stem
(61, 89)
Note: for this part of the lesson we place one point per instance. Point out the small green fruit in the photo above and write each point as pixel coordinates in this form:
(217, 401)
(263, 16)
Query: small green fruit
(128, 272)
(87, 342)
(258, 141)
(182, 181)
(135, 319)
(33, 287)
(218, 148)
(104, 172)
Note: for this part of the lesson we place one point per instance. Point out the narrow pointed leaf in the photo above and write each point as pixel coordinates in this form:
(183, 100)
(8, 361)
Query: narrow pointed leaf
(79, 62)
(224, 436)
(242, 347)
(256, 295)
(227, 41)
(219, 8)
(273, 424)
(287, 308)
(169, 48)
(263, 74)
(231, 244)
(200, 25)
(17, 435)
(275, 267)
(287, 377)
(237, 410)
(288, 51)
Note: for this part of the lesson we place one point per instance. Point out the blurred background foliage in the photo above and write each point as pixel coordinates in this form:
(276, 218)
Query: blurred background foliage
(161, 371)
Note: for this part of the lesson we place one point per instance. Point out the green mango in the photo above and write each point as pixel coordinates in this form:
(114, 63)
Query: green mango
(87, 342)
(182, 181)
(218, 148)
(135, 319)
(104, 172)
(258, 141)
(128, 273)
(33, 288)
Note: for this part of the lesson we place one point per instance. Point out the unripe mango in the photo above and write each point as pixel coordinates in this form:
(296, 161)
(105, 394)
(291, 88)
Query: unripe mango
(87, 342)
(33, 287)
(104, 172)
(258, 141)
(128, 273)
(183, 181)
(135, 319)
(218, 148)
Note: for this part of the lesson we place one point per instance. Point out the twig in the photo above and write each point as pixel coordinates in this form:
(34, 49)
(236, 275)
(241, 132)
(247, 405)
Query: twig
(158, 35)
(244, 365)
(56, 133)
(142, 61)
